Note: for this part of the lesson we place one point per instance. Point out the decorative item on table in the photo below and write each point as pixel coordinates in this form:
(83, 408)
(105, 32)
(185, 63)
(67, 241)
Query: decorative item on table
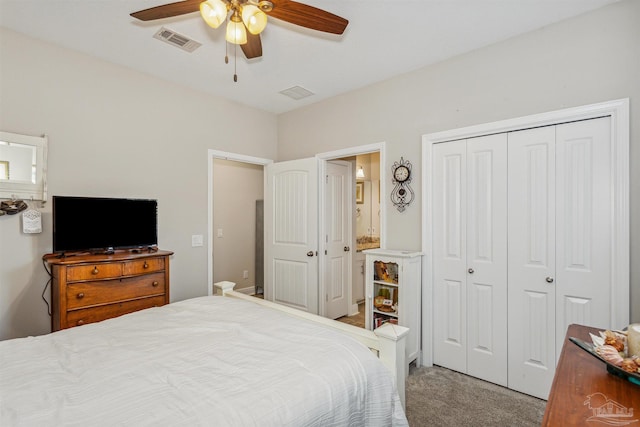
(392, 272)
(384, 300)
(381, 272)
(620, 350)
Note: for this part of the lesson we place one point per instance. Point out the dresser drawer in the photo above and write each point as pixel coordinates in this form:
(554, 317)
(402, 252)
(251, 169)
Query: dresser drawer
(86, 294)
(143, 266)
(93, 271)
(103, 312)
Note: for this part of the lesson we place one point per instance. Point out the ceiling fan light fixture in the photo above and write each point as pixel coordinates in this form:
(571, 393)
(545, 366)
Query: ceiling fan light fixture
(214, 12)
(236, 31)
(254, 19)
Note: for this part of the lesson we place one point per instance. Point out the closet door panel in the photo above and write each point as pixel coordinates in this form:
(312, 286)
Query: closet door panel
(583, 212)
(487, 257)
(449, 253)
(531, 264)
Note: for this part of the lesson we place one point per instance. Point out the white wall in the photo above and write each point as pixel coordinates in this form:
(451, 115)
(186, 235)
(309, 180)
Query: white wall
(113, 132)
(237, 186)
(591, 58)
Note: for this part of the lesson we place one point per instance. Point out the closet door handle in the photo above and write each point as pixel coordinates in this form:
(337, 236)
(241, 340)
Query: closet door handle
(347, 248)
(549, 279)
(310, 253)
(471, 271)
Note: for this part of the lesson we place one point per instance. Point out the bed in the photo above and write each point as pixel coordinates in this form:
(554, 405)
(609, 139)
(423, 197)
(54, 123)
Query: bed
(230, 360)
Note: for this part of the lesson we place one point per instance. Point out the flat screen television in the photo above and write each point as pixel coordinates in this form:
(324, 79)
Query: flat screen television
(100, 224)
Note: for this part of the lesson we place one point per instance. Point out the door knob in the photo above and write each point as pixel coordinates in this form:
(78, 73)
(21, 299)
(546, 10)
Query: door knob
(471, 271)
(347, 248)
(310, 253)
(549, 279)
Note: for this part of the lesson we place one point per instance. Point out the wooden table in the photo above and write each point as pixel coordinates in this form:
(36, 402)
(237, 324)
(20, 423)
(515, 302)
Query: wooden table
(585, 394)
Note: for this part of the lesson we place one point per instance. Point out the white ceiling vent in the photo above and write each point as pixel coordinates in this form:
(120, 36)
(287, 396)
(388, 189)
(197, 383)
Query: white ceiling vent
(297, 92)
(175, 39)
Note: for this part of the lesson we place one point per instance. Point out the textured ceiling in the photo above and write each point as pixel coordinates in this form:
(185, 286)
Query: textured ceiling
(384, 38)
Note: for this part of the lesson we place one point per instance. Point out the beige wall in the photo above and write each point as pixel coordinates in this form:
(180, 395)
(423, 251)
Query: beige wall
(113, 132)
(592, 58)
(237, 186)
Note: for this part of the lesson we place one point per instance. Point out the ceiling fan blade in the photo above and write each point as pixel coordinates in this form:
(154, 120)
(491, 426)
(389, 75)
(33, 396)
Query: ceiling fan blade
(308, 16)
(168, 10)
(253, 47)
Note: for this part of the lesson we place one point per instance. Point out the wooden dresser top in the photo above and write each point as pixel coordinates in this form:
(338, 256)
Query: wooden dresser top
(584, 393)
(119, 255)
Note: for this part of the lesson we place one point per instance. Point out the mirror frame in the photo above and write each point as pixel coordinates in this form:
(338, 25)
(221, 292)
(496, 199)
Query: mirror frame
(22, 190)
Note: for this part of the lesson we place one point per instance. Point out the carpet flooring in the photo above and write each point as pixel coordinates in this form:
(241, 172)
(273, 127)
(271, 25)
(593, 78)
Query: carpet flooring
(440, 397)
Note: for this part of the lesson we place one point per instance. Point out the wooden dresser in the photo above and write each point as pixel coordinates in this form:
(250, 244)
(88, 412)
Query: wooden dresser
(91, 288)
(584, 393)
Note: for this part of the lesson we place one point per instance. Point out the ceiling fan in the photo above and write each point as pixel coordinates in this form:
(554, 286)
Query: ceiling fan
(247, 18)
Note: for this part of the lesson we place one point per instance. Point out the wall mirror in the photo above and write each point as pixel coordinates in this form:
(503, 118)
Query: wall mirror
(368, 201)
(23, 166)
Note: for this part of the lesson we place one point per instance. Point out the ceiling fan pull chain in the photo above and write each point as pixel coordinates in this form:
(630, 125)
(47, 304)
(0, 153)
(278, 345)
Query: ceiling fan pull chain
(235, 63)
(226, 52)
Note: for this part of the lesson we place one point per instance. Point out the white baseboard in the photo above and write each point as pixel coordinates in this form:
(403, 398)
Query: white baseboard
(354, 310)
(251, 290)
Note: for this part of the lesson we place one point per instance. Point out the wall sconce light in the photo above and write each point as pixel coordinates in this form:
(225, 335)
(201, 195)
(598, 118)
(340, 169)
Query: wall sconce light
(360, 172)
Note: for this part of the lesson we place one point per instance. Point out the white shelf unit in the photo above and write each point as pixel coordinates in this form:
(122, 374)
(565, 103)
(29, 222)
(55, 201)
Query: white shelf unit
(396, 277)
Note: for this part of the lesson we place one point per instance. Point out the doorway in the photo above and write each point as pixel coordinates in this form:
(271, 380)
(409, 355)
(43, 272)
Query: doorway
(367, 231)
(352, 154)
(233, 251)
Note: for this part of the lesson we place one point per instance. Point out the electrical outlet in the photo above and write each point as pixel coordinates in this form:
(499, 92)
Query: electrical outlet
(219, 233)
(245, 274)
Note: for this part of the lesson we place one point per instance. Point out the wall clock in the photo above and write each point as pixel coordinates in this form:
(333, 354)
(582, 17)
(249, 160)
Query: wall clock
(402, 194)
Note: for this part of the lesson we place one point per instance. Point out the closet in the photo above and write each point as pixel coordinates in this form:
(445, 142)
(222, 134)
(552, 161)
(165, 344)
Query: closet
(522, 232)
(470, 256)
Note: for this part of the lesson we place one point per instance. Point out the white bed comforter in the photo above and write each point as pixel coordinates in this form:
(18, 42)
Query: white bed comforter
(208, 361)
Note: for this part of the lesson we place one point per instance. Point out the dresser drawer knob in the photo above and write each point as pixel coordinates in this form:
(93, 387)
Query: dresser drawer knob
(80, 295)
(80, 322)
(154, 284)
(95, 270)
(145, 265)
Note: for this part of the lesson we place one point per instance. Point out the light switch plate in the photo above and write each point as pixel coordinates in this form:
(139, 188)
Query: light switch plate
(197, 240)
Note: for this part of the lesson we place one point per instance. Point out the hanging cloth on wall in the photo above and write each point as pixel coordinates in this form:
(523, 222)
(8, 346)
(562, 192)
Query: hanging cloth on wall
(31, 221)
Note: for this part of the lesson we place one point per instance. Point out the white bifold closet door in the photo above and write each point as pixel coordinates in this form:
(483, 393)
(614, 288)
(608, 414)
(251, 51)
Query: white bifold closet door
(559, 271)
(470, 256)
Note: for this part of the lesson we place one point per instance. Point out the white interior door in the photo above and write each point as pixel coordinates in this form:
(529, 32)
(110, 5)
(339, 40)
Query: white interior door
(337, 238)
(486, 254)
(584, 224)
(291, 233)
(469, 257)
(560, 227)
(531, 270)
(449, 256)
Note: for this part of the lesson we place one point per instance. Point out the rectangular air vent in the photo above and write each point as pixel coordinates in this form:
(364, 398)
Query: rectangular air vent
(296, 92)
(175, 39)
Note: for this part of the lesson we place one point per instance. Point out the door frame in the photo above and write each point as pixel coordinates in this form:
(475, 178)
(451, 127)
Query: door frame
(334, 155)
(618, 110)
(223, 155)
